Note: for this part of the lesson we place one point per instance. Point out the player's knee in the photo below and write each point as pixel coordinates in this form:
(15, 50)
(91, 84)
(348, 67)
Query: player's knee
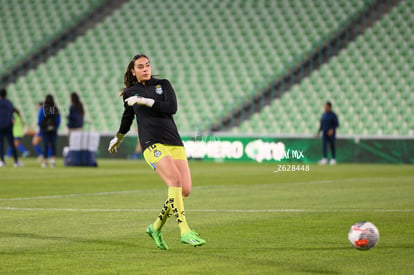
(35, 141)
(174, 180)
(186, 192)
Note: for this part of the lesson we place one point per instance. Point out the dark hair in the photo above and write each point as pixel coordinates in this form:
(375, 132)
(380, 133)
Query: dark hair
(3, 93)
(15, 110)
(74, 97)
(49, 106)
(328, 103)
(129, 79)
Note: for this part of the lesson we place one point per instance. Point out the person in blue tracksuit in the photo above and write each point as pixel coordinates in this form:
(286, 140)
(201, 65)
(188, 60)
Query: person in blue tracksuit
(329, 123)
(6, 127)
(18, 134)
(37, 138)
(49, 121)
(76, 113)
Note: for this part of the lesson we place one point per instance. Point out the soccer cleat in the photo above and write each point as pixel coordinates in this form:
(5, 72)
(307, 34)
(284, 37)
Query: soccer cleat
(332, 162)
(18, 164)
(323, 161)
(192, 238)
(2, 164)
(156, 235)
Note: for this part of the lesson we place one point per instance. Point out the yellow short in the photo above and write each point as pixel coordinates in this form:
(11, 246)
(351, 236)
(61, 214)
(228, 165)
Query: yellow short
(157, 151)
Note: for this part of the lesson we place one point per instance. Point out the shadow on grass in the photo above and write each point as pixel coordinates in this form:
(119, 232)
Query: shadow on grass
(60, 238)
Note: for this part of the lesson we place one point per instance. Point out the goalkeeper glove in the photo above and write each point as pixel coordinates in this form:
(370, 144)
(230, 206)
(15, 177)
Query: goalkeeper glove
(140, 101)
(115, 142)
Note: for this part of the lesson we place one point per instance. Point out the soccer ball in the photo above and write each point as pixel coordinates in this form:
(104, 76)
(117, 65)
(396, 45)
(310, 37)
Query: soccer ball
(363, 235)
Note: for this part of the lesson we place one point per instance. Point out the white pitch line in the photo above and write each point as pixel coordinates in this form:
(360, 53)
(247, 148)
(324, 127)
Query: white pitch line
(75, 195)
(78, 209)
(196, 187)
(207, 210)
(138, 191)
(346, 180)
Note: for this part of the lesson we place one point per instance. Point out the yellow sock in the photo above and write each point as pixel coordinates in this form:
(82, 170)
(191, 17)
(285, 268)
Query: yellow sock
(163, 216)
(175, 198)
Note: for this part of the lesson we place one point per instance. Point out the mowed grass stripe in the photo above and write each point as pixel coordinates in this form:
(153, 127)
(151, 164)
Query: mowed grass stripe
(255, 221)
(202, 187)
(206, 210)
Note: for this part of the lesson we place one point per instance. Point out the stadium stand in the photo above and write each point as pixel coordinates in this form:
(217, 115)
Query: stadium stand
(370, 84)
(208, 49)
(26, 25)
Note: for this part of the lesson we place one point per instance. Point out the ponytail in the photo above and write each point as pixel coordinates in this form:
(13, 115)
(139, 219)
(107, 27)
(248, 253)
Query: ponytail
(129, 79)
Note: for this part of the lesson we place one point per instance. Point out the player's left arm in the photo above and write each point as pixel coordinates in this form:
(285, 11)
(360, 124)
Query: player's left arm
(167, 106)
(336, 121)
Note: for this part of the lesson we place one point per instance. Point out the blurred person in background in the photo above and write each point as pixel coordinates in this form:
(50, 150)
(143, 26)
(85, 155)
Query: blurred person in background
(37, 138)
(329, 123)
(138, 151)
(49, 121)
(6, 127)
(18, 133)
(76, 114)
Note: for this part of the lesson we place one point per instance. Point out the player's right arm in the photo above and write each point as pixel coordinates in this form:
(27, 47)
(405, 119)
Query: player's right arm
(318, 134)
(126, 122)
(127, 116)
(40, 117)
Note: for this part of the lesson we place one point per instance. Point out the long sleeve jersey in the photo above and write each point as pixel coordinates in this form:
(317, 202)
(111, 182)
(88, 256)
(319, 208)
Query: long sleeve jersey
(156, 123)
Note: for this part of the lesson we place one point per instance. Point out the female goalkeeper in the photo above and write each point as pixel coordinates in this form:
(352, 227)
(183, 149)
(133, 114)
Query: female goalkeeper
(153, 102)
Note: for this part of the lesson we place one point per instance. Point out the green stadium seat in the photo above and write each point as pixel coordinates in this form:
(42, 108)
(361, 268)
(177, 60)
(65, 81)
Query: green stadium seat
(370, 73)
(28, 25)
(210, 54)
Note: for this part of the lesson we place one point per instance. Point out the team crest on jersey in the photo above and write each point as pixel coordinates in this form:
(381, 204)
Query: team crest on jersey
(158, 89)
(157, 153)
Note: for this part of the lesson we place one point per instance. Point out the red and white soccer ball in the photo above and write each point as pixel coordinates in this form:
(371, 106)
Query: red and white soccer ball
(363, 235)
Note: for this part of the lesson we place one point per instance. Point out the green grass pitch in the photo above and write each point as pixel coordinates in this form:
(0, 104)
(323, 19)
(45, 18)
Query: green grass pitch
(255, 221)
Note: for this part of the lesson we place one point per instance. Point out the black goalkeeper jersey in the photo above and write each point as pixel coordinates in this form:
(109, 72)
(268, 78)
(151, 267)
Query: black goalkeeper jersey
(156, 123)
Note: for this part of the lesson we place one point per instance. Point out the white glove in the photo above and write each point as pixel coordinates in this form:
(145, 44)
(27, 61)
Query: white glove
(115, 142)
(140, 101)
